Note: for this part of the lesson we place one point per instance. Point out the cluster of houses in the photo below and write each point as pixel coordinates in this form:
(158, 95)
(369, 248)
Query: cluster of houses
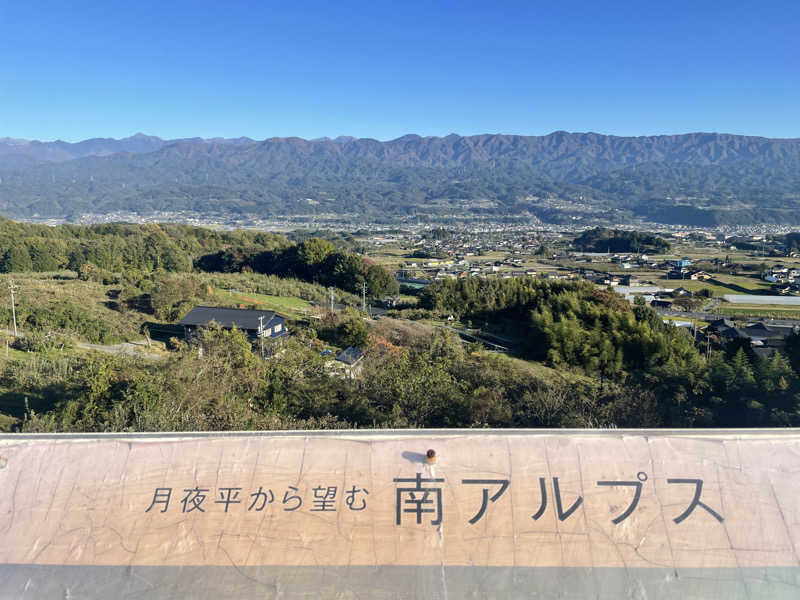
(513, 240)
(784, 279)
(437, 270)
(764, 339)
(682, 269)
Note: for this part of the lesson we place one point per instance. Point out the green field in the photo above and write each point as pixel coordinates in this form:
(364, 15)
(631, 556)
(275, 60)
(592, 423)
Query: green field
(774, 311)
(720, 285)
(287, 305)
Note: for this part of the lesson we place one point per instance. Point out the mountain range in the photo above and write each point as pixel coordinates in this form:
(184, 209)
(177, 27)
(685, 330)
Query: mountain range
(696, 178)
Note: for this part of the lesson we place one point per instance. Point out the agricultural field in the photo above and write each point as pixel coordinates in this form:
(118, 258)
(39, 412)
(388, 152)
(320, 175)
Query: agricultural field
(720, 285)
(285, 305)
(770, 311)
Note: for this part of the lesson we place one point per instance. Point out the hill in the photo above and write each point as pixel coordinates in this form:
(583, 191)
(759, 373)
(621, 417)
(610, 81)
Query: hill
(698, 178)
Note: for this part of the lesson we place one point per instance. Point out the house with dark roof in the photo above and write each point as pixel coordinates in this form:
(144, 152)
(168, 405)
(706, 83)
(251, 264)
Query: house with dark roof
(768, 335)
(351, 359)
(721, 324)
(759, 334)
(256, 323)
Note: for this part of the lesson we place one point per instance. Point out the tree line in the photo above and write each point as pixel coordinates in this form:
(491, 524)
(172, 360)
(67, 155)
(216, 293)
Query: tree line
(116, 247)
(316, 260)
(98, 252)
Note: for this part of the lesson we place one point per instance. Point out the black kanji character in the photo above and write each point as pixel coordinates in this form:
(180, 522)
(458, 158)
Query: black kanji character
(324, 498)
(350, 498)
(503, 483)
(264, 497)
(698, 489)
(228, 496)
(161, 496)
(642, 477)
(195, 496)
(417, 497)
(288, 498)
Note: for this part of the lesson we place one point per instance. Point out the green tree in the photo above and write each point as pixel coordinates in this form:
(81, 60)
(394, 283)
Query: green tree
(16, 260)
(793, 350)
(345, 271)
(311, 254)
(380, 282)
(353, 332)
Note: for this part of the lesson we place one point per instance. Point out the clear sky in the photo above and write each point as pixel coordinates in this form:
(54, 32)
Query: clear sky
(73, 70)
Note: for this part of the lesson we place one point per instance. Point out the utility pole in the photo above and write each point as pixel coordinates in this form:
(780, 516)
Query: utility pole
(364, 296)
(330, 289)
(13, 288)
(261, 334)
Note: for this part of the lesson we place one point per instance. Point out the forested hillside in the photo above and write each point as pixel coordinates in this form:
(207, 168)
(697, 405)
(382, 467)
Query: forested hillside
(575, 325)
(693, 178)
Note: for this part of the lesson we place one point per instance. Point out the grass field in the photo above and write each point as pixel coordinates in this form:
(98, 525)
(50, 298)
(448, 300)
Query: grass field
(95, 300)
(546, 373)
(28, 366)
(720, 285)
(760, 310)
(286, 305)
(389, 256)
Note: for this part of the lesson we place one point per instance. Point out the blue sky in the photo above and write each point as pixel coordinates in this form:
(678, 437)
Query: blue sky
(73, 70)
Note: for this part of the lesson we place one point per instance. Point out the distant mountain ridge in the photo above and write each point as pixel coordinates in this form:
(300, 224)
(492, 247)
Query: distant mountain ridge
(700, 178)
(59, 150)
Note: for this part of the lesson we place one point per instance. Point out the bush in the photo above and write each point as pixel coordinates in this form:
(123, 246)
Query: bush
(43, 341)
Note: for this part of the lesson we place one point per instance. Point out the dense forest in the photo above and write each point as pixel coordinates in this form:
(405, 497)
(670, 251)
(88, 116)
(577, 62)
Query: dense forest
(574, 325)
(116, 247)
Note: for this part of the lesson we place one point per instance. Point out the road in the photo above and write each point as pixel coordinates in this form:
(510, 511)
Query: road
(479, 336)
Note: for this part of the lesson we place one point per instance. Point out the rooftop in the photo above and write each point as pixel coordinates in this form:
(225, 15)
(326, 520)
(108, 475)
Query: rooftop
(228, 317)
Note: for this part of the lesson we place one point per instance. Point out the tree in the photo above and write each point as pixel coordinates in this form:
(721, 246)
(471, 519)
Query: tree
(353, 332)
(173, 296)
(43, 258)
(380, 282)
(793, 350)
(344, 270)
(311, 253)
(743, 377)
(16, 260)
